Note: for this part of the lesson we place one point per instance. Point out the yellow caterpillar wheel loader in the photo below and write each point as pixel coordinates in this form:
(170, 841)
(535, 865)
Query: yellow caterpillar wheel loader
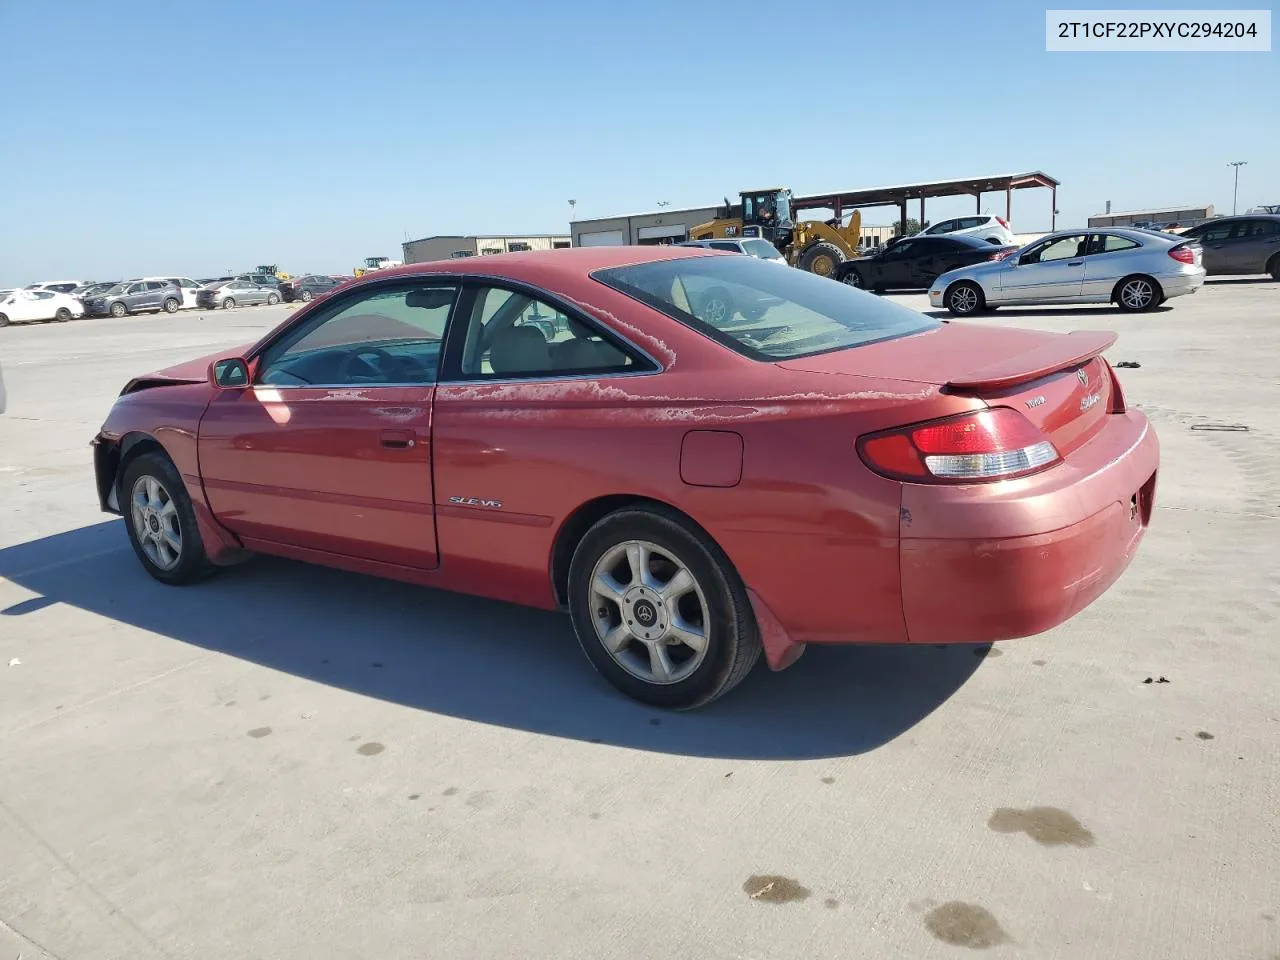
(819, 246)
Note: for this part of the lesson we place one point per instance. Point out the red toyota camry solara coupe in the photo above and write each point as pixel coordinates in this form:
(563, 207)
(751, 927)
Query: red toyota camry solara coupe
(699, 455)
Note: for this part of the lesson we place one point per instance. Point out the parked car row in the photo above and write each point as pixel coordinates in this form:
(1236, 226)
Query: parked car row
(63, 300)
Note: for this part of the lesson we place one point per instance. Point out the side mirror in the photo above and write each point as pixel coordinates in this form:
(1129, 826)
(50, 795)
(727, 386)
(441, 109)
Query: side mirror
(229, 374)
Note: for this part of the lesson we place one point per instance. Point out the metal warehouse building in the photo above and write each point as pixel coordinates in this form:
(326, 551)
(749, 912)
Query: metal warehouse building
(639, 229)
(1183, 216)
(446, 247)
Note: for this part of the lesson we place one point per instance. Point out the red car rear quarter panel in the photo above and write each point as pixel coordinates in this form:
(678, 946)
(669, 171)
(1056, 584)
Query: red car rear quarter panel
(983, 562)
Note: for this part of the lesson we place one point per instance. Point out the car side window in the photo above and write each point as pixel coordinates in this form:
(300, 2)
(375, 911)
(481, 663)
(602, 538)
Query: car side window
(382, 337)
(1110, 243)
(900, 249)
(154, 285)
(1261, 228)
(1063, 248)
(188, 284)
(137, 288)
(510, 334)
(946, 226)
(1217, 232)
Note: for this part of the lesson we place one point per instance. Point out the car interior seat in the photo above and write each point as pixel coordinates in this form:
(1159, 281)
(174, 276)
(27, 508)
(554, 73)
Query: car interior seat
(520, 350)
(585, 351)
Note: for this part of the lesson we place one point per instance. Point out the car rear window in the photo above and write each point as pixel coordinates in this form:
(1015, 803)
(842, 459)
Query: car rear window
(762, 311)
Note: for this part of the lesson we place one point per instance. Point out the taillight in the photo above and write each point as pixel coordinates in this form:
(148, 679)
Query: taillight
(1003, 222)
(1183, 254)
(993, 444)
(1001, 254)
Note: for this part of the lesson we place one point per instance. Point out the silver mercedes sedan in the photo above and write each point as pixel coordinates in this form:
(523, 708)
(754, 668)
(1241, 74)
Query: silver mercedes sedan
(1134, 269)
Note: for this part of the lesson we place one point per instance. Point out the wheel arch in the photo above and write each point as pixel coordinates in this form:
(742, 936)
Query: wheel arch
(1115, 291)
(1273, 265)
(575, 526)
(111, 459)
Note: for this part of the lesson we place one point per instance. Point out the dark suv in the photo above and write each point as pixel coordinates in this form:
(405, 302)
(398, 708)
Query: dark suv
(308, 288)
(135, 296)
(1244, 244)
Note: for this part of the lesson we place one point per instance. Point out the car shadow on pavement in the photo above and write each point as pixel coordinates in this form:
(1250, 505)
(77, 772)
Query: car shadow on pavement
(480, 659)
(1084, 310)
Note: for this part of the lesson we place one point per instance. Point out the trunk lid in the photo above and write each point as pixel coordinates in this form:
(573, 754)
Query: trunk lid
(1057, 381)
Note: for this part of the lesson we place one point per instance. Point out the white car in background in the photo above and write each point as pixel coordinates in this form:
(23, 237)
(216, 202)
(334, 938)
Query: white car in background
(751, 246)
(57, 286)
(23, 305)
(185, 284)
(985, 227)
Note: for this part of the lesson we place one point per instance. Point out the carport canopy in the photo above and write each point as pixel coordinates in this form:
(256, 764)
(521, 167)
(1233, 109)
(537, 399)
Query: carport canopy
(898, 196)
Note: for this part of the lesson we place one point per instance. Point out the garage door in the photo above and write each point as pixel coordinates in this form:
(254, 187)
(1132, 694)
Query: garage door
(601, 238)
(673, 232)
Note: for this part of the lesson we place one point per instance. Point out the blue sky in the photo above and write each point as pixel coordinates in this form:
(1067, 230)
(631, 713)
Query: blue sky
(156, 137)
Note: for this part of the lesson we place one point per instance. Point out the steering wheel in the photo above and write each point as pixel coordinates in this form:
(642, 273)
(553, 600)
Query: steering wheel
(386, 362)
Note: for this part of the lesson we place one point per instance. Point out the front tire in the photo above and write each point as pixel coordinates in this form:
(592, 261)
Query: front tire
(171, 305)
(161, 521)
(63, 315)
(1137, 294)
(964, 299)
(119, 310)
(822, 258)
(1273, 268)
(4, 319)
(228, 303)
(659, 610)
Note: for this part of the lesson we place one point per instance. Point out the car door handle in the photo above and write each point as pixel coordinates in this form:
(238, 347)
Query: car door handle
(397, 439)
(1075, 263)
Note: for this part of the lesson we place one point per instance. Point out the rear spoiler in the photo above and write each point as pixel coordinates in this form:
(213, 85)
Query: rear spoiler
(1066, 351)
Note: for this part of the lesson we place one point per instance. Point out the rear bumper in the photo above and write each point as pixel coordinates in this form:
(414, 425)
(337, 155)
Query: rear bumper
(1176, 285)
(981, 563)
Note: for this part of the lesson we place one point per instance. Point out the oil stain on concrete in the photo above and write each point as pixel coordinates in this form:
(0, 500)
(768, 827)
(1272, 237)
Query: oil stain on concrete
(1204, 735)
(965, 925)
(1047, 826)
(773, 889)
(259, 732)
(370, 749)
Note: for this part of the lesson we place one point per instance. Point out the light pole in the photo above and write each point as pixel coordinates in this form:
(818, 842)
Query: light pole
(1236, 192)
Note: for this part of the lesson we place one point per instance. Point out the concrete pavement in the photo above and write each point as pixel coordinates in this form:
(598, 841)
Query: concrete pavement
(292, 762)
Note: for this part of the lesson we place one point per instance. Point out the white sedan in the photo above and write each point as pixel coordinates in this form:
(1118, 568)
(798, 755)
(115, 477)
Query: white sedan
(21, 305)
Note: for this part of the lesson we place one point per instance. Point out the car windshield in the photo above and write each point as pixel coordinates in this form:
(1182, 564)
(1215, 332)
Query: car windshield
(761, 311)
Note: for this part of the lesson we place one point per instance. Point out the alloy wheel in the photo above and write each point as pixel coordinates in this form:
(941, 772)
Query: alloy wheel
(1136, 294)
(964, 299)
(155, 523)
(649, 612)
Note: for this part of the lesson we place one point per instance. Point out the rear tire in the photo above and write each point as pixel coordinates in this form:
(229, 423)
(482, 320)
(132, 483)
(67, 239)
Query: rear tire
(305, 296)
(161, 521)
(1137, 294)
(119, 310)
(272, 299)
(1273, 268)
(228, 303)
(171, 305)
(822, 258)
(964, 299)
(854, 279)
(4, 319)
(686, 589)
(63, 315)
